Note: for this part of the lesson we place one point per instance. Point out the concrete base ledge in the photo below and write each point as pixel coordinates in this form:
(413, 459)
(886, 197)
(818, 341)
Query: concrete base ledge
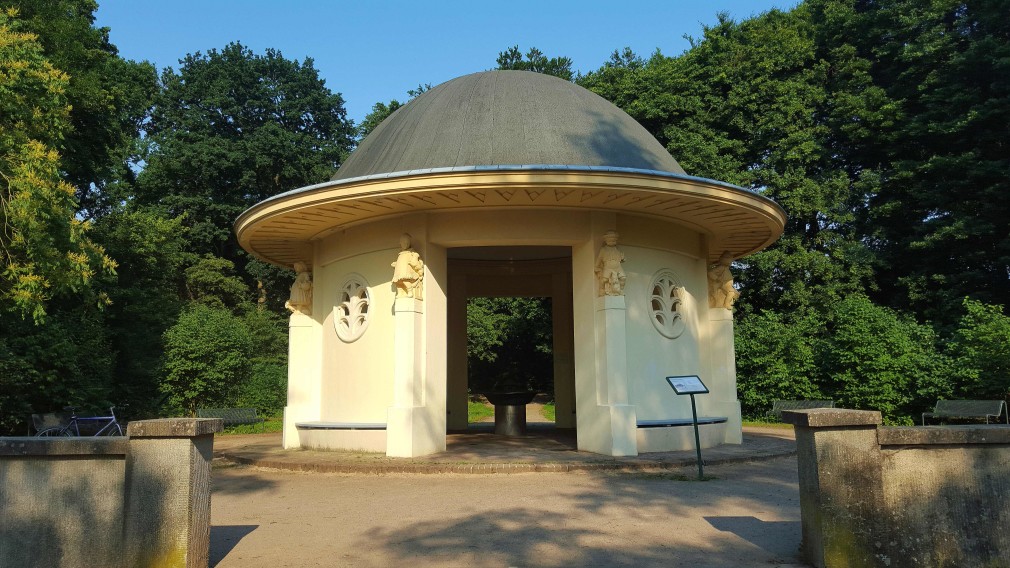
(323, 425)
(943, 435)
(679, 438)
(31, 446)
(831, 417)
(174, 427)
(365, 440)
(675, 422)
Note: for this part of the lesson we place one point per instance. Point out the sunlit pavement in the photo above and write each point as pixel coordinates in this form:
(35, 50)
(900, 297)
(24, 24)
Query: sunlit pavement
(652, 512)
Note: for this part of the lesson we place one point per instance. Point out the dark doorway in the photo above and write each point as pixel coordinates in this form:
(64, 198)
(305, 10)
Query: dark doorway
(516, 303)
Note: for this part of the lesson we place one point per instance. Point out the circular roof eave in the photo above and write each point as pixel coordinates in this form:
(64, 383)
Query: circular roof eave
(281, 229)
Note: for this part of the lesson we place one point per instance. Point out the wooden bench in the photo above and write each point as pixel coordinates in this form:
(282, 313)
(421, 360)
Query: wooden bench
(779, 405)
(671, 422)
(968, 409)
(230, 416)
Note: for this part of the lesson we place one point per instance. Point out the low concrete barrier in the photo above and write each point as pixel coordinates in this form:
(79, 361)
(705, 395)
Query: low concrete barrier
(901, 496)
(140, 500)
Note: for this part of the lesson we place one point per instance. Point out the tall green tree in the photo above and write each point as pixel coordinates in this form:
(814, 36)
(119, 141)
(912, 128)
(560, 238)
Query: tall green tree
(108, 96)
(69, 113)
(928, 149)
(144, 299)
(44, 248)
(981, 349)
(746, 104)
(231, 128)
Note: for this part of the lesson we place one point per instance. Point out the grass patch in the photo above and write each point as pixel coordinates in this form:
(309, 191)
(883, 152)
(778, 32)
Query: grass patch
(548, 411)
(477, 411)
(270, 425)
(762, 424)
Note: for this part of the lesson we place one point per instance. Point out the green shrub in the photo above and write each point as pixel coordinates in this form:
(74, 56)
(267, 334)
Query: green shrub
(981, 348)
(877, 359)
(206, 358)
(775, 360)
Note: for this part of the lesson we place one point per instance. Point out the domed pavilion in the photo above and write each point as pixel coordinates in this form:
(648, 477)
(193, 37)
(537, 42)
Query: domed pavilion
(509, 183)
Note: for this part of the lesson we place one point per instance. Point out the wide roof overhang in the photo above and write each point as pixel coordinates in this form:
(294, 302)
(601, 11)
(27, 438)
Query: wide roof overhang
(281, 230)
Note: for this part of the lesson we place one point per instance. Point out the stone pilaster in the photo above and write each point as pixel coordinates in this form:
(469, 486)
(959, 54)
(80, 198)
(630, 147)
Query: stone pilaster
(304, 381)
(722, 398)
(406, 419)
(167, 517)
(612, 376)
(841, 488)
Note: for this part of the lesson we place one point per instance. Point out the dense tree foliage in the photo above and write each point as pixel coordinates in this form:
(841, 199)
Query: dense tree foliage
(144, 300)
(232, 128)
(380, 111)
(927, 88)
(206, 358)
(880, 127)
(108, 97)
(979, 349)
(873, 125)
(535, 61)
(44, 249)
(509, 345)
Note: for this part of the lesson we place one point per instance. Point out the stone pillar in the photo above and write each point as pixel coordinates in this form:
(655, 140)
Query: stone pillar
(841, 488)
(304, 380)
(167, 517)
(564, 350)
(612, 375)
(405, 418)
(722, 400)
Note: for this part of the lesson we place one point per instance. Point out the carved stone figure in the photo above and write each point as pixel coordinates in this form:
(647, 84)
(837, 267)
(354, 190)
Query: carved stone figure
(408, 271)
(721, 293)
(610, 276)
(300, 301)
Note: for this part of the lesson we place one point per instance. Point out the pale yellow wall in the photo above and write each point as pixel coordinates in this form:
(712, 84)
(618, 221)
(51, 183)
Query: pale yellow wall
(357, 377)
(651, 356)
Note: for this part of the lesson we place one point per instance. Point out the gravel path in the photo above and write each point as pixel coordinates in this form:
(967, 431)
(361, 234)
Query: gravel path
(747, 515)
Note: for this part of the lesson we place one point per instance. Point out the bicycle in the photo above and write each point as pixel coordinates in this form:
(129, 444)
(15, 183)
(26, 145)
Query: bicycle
(102, 425)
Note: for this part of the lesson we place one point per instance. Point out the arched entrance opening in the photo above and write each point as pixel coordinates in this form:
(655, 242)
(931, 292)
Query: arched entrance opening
(501, 272)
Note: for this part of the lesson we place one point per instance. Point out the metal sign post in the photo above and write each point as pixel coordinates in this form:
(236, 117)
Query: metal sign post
(691, 385)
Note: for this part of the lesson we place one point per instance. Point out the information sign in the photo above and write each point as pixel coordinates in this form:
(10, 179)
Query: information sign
(689, 384)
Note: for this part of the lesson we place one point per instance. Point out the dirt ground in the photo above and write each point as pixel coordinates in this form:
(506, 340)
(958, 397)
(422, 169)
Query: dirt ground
(746, 515)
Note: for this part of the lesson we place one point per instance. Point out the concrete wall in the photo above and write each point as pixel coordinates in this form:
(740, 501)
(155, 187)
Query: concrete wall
(142, 500)
(901, 496)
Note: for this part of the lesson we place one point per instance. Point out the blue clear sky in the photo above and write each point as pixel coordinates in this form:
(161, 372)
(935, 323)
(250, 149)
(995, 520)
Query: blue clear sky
(376, 51)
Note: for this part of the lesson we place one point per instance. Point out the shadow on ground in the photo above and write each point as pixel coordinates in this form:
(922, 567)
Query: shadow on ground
(766, 534)
(224, 538)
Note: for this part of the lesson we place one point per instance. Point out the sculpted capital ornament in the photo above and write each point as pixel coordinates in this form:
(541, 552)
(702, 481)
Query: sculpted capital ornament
(300, 301)
(721, 293)
(610, 277)
(408, 271)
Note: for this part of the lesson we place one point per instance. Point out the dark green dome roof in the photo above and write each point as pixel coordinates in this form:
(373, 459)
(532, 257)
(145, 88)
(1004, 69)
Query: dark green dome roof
(506, 118)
